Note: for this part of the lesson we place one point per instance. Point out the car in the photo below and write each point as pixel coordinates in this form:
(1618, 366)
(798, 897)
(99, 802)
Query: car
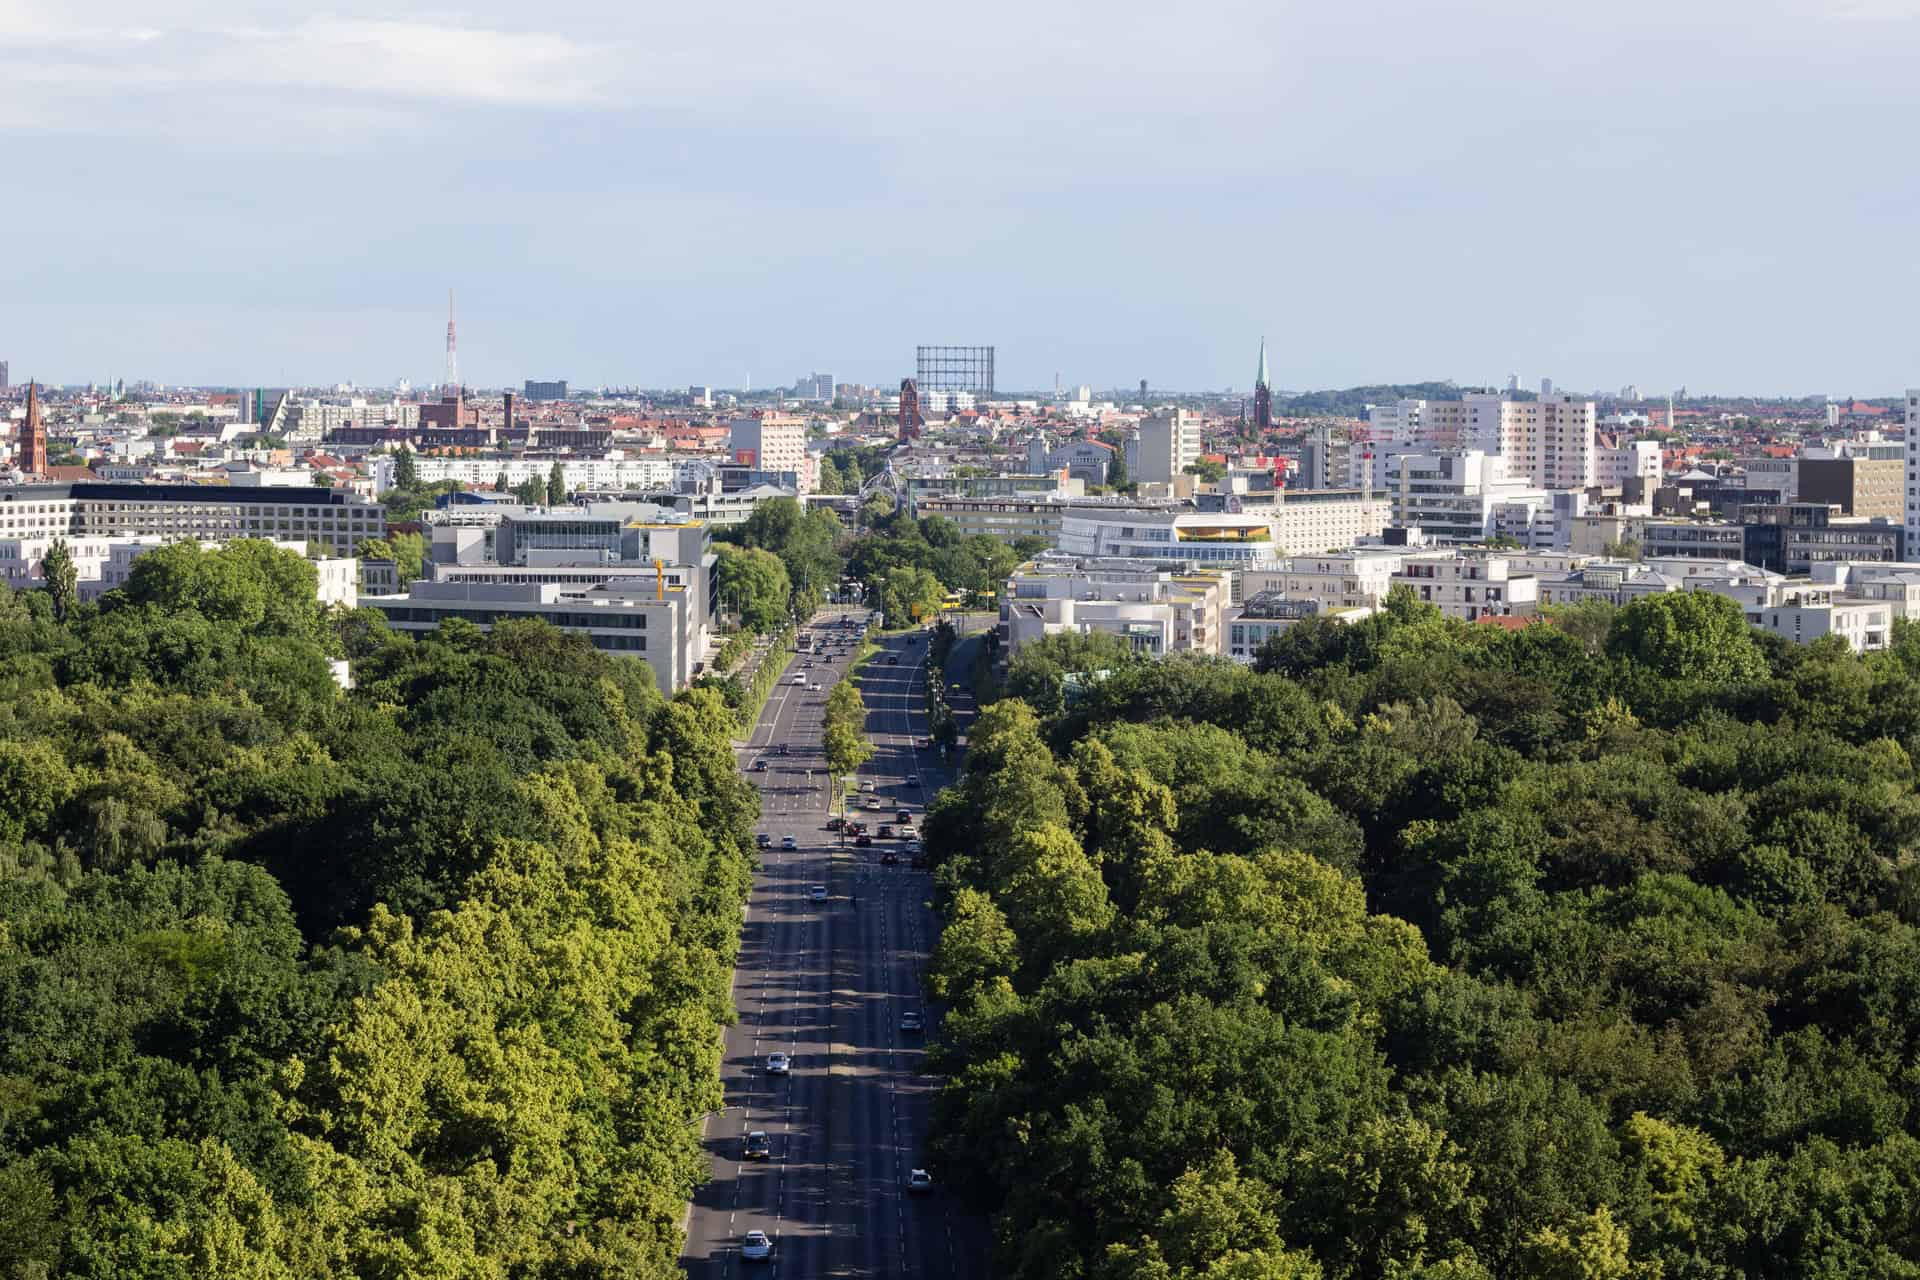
(903, 815)
(816, 893)
(759, 1145)
(913, 846)
(763, 840)
(875, 802)
(886, 831)
(798, 678)
(919, 1182)
(755, 1247)
(788, 842)
(866, 786)
(906, 832)
(889, 859)
(836, 824)
(780, 749)
(813, 688)
(913, 780)
(759, 766)
(925, 744)
(778, 1064)
(862, 840)
(910, 1020)
(893, 662)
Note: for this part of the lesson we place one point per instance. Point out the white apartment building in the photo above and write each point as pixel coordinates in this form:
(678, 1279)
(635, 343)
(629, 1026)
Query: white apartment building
(1356, 579)
(1549, 443)
(1168, 444)
(206, 512)
(1452, 496)
(580, 473)
(775, 442)
(1634, 459)
(1315, 520)
(1469, 584)
(1157, 611)
(1299, 520)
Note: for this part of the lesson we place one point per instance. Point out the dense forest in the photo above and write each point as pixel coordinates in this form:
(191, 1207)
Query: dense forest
(422, 979)
(1425, 949)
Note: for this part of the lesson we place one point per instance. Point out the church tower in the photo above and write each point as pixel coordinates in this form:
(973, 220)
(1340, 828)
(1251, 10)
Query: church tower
(30, 447)
(1262, 395)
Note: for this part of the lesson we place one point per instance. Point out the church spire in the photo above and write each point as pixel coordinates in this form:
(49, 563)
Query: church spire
(1261, 379)
(1262, 394)
(30, 445)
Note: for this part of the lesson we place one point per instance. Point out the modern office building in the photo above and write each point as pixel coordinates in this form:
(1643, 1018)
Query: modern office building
(1452, 496)
(643, 617)
(537, 392)
(1358, 578)
(332, 518)
(1865, 484)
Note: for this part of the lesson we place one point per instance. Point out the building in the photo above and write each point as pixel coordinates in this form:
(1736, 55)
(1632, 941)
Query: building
(1158, 609)
(1616, 465)
(540, 392)
(102, 564)
(1866, 485)
(643, 617)
(1264, 616)
(1608, 583)
(1255, 536)
(1453, 496)
(1262, 394)
(331, 518)
(1793, 537)
(1469, 584)
(1087, 461)
(1337, 581)
(30, 447)
(1169, 443)
(774, 442)
(1008, 517)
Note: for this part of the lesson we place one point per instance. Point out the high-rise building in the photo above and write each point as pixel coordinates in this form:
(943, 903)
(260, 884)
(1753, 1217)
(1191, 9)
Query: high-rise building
(774, 442)
(30, 448)
(1262, 395)
(1913, 467)
(4, 384)
(534, 392)
(1169, 443)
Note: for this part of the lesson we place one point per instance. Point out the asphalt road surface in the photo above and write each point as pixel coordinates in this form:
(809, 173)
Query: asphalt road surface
(826, 982)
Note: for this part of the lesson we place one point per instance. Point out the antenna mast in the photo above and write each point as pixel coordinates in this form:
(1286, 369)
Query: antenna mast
(452, 379)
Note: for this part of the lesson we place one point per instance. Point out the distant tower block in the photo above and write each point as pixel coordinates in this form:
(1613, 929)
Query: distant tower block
(452, 379)
(1262, 395)
(1143, 391)
(967, 369)
(910, 420)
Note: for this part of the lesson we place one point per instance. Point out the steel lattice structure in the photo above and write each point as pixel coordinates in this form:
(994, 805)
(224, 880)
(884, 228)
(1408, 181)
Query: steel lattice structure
(955, 369)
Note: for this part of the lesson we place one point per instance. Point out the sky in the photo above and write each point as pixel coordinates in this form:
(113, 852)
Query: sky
(1713, 194)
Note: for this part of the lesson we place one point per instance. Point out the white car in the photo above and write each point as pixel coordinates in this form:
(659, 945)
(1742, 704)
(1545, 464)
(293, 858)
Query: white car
(919, 1182)
(778, 1064)
(755, 1247)
(817, 892)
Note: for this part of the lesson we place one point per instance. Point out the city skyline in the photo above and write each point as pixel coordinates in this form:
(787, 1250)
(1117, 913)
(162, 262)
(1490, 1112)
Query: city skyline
(228, 196)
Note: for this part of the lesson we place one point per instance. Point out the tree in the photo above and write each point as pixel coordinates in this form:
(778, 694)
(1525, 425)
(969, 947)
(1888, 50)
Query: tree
(909, 595)
(556, 484)
(755, 583)
(500, 482)
(61, 576)
(829, 480)
(1119, 479)
(1688, 636)
(532, 491)
(1622, 549)
(1207, 470)
(405, 474)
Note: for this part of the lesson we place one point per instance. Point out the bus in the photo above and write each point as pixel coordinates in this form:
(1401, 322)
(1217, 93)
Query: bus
(804, 642)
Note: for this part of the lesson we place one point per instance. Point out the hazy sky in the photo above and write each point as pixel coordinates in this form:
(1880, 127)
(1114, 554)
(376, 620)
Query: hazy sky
(1721, 194)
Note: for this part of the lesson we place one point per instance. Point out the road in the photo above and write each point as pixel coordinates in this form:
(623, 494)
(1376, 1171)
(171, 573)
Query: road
(826, 983)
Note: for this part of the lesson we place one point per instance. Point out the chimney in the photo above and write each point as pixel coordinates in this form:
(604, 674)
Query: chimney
(509, 425)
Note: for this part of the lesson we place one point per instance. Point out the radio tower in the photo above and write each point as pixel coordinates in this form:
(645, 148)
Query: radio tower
(452, 380)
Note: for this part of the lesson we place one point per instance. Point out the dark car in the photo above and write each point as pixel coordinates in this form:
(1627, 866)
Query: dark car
(759, 1146)
(889, 859)
(862, 840)
(781, 749)
(836, 824)
(904, 815)
(763, 840)
(910, 1020)
(886, 831)
(759, 766)
(858, 828)
(893, 662)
